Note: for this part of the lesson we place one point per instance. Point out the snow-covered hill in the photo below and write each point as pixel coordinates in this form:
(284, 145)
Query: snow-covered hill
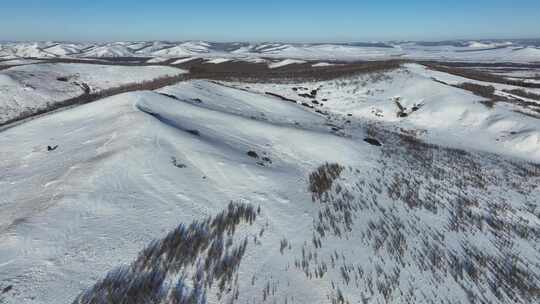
(319, 214)
(428, 103)
(28, 88)
(482, 50)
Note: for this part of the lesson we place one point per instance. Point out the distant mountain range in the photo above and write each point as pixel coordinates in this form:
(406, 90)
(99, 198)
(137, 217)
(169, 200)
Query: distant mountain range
(477, 50)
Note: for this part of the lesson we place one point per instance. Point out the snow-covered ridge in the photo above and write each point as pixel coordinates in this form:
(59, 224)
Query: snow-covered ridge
(28, 88)
(481, 50)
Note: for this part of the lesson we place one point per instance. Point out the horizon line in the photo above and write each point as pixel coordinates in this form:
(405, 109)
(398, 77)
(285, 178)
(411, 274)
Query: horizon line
(278, 41)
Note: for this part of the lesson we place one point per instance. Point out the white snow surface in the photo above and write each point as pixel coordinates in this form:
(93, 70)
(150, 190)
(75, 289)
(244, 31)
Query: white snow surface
(282, 63)
(30, 87)
(184, 60)
(322, 64)
(218, 60)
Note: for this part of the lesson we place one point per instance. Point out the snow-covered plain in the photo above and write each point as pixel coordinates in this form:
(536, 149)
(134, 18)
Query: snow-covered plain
(444, 210)
(27, 88)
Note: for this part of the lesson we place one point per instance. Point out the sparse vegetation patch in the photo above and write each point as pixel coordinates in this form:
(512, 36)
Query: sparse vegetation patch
(183, 266)
(388, 213)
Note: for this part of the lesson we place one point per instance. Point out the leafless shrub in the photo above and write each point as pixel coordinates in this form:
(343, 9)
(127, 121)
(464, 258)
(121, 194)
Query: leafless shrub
(338, 298)
(284, 243)
(124, 285)
(322, 179)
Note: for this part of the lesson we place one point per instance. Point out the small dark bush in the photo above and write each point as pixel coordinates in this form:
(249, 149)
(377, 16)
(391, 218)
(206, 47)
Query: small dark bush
(7, 289)
(488, 103)
(253, 154)
(169, 95)
(177, 164)
(321, 180)
(280, 97)
(194, 132)
(372, 141)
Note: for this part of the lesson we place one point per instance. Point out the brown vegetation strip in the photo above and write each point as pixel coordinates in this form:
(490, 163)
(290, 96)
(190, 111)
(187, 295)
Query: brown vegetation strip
(479, 76)
(524, 94)
(488, 92)
(456, 64)
(257, 72)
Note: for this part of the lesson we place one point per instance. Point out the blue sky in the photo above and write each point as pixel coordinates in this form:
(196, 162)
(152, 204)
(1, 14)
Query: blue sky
(277, 20)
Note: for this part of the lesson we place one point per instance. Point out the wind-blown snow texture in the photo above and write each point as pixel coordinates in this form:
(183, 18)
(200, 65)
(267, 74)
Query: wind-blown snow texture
(320, 214)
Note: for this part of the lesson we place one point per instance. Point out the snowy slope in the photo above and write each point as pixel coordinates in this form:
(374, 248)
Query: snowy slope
(437, 112)
(286, 62)
(123, 153)
(405, 222)
(218, 60)
(320, 52)
(63, 50)
(184, 49)
(28, 50)
(115, 50)
(27, 88)
(150, 47)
